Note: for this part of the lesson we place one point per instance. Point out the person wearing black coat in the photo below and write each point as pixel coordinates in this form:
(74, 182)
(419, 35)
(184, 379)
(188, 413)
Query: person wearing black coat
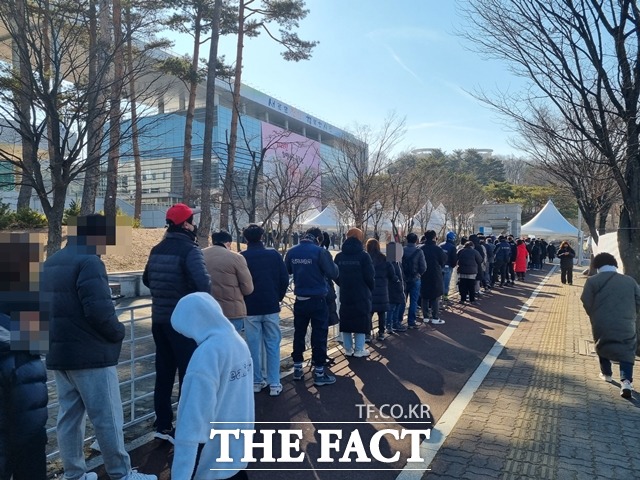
(551, 252)
(23, 377)
(356, 279)
(432, 283)
(469, 262)
(397, 299)
(384, 275)
(566, 254)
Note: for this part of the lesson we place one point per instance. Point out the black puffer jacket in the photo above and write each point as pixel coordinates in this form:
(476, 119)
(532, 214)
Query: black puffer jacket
(396, 289)
(384, 276)
(84, 329)
(23, 396)
(432, 285)
(356, 280)
(175, 269)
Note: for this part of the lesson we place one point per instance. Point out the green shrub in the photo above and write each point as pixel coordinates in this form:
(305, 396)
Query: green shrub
(6, 216)
(26, 218)
(72, 211)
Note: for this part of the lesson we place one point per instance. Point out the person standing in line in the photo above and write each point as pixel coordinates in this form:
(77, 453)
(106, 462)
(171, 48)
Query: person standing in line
(511, 274)
(522, 259)
(431, 284)
(23, 377)
(356, 278)
(396, 290)
(216, 394)
(449, 246)
(175, 268)
(413, 266)
(262, 324)
(84, 347)
(311, 266)
(566, 254)
(230, 277)
(469, 262)
(384, 276)
(612, 300)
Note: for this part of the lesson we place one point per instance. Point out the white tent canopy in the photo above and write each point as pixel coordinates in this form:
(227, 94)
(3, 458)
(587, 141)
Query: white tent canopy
(549, 224)
(327, 219)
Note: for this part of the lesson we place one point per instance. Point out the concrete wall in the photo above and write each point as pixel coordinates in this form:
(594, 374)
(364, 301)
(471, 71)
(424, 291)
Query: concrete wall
(130, 284)
(498, 218)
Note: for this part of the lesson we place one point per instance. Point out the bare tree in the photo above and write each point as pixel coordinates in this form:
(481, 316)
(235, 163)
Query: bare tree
(352, 172)
(583, 61)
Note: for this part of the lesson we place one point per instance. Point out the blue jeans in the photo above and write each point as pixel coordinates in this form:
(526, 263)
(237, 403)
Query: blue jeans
(264, 331)
(446, 278)
(394, 316)
(238, 323)
(413, 292)
(348, 341)
(316, 312)
(626, 369)
(95, 392)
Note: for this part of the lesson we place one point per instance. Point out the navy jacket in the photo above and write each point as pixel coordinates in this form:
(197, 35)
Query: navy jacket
(175, 269)
(418, 265)
(23, 395)
(310, 266)
(84, 331)
(270, 279)
(356, 281)
(502, 252)
(452, 254)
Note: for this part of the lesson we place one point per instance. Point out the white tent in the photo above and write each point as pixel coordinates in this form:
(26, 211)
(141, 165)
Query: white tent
(549, 224)
(327, 219)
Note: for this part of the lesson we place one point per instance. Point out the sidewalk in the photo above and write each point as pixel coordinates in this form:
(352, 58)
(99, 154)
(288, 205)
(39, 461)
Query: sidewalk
(542, 412)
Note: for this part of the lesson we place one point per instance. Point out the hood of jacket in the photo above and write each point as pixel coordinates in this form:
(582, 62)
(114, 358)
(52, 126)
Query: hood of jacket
(199, 316)
(352, 245)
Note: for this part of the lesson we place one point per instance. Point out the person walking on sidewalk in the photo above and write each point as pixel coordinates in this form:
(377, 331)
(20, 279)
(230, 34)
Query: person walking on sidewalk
(413, 266)
(356, 279)
(611, 300)
(311, 266)
(175, 268)
(216, 394)
(84, 346)
(566, 254)
(262, 324)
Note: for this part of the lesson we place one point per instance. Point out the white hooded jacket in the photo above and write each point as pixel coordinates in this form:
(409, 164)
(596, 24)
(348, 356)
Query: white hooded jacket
(218, 387)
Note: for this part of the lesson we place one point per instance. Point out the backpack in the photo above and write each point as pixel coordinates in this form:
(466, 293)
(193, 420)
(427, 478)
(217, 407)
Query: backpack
(407, 265)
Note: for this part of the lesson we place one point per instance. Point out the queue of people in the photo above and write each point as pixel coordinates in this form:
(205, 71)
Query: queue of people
(203, 300)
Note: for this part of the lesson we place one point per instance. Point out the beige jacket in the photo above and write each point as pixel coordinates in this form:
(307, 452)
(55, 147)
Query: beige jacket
(230, 279)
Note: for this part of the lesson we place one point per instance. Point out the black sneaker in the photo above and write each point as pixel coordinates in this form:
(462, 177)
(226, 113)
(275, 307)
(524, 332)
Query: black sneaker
(323, 379)
(414, 326)
(168, 435)
(298, 374)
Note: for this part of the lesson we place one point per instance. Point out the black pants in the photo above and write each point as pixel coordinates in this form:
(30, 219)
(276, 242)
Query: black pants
(316, 312)
(173, 352)
(467, 289)
(381, 321)
(566, 274)
(500, 270)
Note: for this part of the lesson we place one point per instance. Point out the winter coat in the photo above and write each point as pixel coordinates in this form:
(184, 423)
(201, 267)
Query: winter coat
(566, 256)
(520, 265)
(175, 268)
(432, 284)
(384, 276)
(452, 254)
(411, 253)
(84, 331)
(356, 279)
(611, 299)
(230, 279)
(551, 251)
(269, 276)
(502, 252)
(23, 396)
(311, 266)
(218, 387)
(396, 289)
(469, 261)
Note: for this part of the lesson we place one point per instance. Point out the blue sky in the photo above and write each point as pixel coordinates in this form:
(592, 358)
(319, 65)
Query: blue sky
(380, 56)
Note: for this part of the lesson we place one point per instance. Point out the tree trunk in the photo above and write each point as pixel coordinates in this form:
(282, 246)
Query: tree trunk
(629, 243)
(233, 131)
(207, 153)
(137, 203)
(602, 219)
(111, 193)
(191, 107)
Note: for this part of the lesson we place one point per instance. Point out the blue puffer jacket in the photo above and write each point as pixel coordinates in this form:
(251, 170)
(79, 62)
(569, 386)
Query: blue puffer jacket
(310, 266)
(23, 395)
(175, 269)
(84, 329)
(270, 279)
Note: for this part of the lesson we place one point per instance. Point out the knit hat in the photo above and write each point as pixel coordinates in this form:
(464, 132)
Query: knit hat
(355, 232)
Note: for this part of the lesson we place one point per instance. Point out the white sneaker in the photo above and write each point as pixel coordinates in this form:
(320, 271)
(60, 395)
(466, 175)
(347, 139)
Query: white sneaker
(275, 390)
(349, 352)
(437, 321)
(90, 476)
(135, 475)
(257, 387)
(361, 353)
(625, 389)
(606, 378)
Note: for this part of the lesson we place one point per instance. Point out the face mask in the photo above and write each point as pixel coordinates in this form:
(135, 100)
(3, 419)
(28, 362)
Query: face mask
(195, 229)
